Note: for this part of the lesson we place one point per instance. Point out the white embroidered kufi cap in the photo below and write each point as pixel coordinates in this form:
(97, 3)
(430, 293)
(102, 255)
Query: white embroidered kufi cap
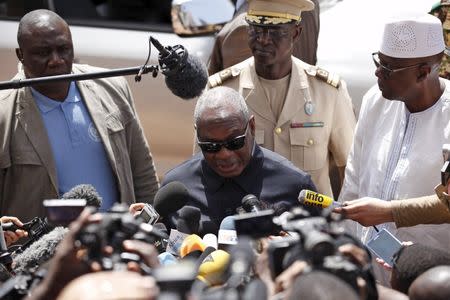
(413, 36)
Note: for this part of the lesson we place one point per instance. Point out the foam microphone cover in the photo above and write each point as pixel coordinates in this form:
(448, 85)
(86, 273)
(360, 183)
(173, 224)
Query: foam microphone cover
(188, 220)
(213, 269)
(84, 191)
(191, 243)
(40, 251)
(208, 250)
(190, 81)
(170, 198)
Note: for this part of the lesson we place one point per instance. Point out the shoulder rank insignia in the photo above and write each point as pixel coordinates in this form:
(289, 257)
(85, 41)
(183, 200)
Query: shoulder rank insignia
(220, 77)
(332, 79)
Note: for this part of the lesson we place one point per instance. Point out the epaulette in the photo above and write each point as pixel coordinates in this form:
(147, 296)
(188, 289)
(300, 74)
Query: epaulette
(220, 77)
(332, 79)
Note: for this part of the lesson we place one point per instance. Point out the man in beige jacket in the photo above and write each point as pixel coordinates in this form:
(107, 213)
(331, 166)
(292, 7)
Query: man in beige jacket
(57, 135)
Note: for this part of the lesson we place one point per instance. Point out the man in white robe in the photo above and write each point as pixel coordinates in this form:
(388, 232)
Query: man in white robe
(403, 123)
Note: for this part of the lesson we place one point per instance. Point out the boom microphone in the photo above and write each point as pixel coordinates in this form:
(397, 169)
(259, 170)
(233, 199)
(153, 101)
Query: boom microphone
(170, 198)
(311, 198)
(84, 191)
(186, 76)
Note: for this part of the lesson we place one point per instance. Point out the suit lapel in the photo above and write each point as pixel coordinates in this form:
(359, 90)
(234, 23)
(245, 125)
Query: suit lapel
(295, 98)
(30, 120)
(254, 94)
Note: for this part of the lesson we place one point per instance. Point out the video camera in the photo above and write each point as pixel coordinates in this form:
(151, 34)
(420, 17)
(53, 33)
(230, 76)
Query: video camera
(116, 226)
(311, 239)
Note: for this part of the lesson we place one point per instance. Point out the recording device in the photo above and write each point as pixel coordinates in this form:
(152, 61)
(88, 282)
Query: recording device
(186, 75)
(116, 226)
(63, 211)
(148, 214)
(384, 245)
(314, 239)
(256, 224)
(445, 170)
(311, 198)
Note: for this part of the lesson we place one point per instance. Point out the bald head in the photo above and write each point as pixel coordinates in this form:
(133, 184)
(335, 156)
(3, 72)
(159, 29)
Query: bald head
(433, 284)
(222, 100)
(40, 18)
(45, 49)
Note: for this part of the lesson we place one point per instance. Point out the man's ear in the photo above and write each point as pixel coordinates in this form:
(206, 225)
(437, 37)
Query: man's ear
(424, 71)
(19, 54)
(251, 123)
(297, 31)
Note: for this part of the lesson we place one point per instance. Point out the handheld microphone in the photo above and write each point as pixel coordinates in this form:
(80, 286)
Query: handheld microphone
(84, 191)
(213, 269)
(227, 233)
(252, 204)
(170, 198)
(311, 198)
(210, 240)
(189, 220)
(167, 259)
(186, 75)
(190, 244)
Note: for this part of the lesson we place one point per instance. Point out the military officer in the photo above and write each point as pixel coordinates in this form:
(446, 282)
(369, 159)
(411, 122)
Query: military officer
(302, 112)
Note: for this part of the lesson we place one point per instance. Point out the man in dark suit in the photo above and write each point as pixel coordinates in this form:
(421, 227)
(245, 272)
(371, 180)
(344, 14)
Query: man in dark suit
(231, 165)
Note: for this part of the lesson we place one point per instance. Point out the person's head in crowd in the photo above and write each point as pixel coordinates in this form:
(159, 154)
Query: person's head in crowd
(109, 285)
(274, 27)
(408, 61)
(45, 49)
(433, 284)
(412, 261)
(225, 131)
(320, 285)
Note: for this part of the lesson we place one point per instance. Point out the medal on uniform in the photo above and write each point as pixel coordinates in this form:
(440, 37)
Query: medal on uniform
(309, 108)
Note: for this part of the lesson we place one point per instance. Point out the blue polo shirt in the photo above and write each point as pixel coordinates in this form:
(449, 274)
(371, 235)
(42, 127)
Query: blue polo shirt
(78, 150)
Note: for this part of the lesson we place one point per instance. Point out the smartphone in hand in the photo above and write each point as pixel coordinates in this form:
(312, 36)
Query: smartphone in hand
(384, 245)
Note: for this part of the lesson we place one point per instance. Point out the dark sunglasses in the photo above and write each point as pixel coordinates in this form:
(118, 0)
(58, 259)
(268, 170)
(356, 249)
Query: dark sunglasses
(232, 144)
(275, 33)
(387, 72)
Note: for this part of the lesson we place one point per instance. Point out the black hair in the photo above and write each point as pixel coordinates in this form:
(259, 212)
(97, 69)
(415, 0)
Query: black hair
(411, 261)
(321, 285)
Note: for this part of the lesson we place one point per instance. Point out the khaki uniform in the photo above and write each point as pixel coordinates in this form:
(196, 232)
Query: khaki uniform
(308, 140)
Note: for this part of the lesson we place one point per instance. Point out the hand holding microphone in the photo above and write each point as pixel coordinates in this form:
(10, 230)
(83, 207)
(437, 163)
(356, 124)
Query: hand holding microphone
(367, 211)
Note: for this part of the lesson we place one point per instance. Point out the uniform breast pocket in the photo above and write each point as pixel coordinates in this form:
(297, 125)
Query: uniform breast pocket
(309, 147)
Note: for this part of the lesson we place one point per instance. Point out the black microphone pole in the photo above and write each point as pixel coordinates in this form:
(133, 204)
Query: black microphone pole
(19, 83)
